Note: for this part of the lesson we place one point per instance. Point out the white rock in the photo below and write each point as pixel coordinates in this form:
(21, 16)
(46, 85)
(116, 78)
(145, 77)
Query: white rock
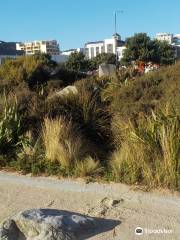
(67, 90)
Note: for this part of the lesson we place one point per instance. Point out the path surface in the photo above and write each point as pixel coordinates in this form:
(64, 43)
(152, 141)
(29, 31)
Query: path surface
(149, 210)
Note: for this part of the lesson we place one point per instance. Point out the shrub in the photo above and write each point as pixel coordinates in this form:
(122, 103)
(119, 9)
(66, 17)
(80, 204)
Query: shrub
(87, 167)
(66, 76)
(11, 137)
(149, 151)
(143, 94)
(34, 70)
(62, 143)
(89, 113)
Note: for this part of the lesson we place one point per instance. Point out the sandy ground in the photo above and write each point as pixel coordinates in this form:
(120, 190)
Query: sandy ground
(157, 210)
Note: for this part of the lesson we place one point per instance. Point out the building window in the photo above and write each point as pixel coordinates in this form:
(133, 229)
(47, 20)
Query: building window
(92, 52)
(102, 49)
(97, 51)
(87, 52)
(109, 48)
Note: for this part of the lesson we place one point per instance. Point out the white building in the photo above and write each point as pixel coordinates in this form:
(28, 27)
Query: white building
(120, 52)
(92, 49)
(176, 40)
(48, 47)
(168, 37)
(69, 51)
(172, 39)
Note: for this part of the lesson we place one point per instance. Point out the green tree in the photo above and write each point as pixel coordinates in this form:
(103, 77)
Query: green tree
(77, 62)
(108, 58)
(140, 47)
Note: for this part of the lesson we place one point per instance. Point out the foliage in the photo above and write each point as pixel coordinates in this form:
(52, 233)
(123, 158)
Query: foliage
(11, 137)
(108, 58)
(62, 144)
(34, 70)
(66, 75)
(141, 48)
(148, 151)
(88, 112)
(142, 94)
(112, 127)
(77, 62)
(87, 167)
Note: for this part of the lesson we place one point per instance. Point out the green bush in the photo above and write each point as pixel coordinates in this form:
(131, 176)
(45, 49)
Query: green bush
(142, 94)
(11, 137)
(34, 70)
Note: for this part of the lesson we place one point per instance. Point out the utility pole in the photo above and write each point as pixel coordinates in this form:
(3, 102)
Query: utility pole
(115, 19)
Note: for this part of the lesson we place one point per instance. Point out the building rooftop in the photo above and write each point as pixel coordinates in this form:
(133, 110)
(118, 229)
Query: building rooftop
(70, 50)
(9, 48)
(96, 42)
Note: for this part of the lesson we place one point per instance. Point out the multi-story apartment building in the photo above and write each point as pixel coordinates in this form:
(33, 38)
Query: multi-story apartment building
(48, 47)
(92, 49)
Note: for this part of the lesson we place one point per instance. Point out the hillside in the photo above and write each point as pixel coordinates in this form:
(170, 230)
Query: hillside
(124, 129)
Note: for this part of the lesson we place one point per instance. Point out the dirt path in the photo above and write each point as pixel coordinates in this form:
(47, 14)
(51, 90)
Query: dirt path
(151, 211)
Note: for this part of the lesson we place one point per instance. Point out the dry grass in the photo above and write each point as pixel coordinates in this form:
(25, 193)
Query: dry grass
(149, 152)
(62, 143)
(88, 167)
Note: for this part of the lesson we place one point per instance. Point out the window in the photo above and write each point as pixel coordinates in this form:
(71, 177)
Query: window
(92, 52)
(109, 48)
(102, 49)
(97, 51)
(87, 52)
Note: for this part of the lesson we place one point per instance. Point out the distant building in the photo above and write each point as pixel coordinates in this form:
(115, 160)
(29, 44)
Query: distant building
(172, 39)
(168, 37)
(8, 50)
(92, 49)
(69, 51)
(120, 52)
(48, 47)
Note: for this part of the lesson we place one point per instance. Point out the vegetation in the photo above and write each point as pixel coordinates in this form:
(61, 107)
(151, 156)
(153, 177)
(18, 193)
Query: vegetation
(141, 48)
(77, 62)
(108, 58)
(125, 128)
(149, 150)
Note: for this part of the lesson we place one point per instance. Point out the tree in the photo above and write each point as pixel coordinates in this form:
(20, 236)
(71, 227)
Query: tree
(109, 58)
(141, 48)
(77, 62)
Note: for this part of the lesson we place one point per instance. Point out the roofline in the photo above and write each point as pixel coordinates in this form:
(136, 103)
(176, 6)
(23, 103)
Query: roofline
(94, 42)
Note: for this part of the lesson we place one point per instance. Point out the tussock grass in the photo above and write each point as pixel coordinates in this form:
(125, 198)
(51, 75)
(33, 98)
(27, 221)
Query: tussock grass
(149, 151)
(88, 167)
(62, 143)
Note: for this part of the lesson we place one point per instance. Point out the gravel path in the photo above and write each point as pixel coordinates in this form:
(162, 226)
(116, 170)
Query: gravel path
(153, 211)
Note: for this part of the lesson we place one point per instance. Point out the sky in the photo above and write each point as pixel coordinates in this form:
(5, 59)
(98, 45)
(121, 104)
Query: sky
(74, 22)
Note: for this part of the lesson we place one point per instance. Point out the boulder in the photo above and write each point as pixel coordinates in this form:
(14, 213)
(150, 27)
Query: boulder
(67, 90)
(46, 224)
(107, 70)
